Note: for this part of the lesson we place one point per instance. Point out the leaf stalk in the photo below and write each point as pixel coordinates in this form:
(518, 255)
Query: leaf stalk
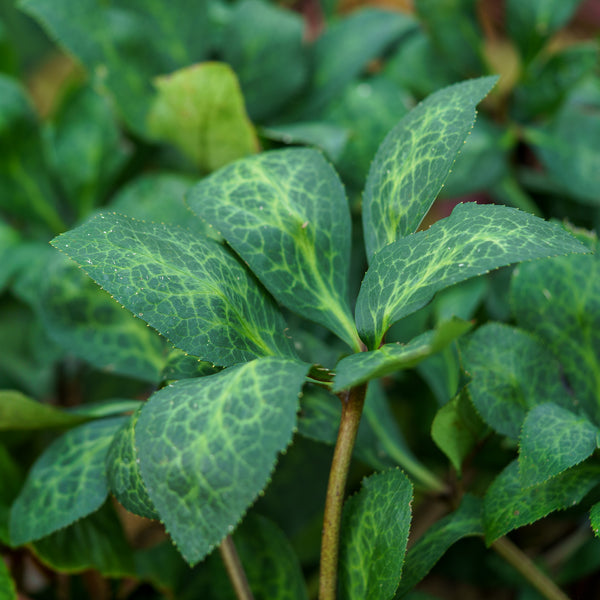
(235, 569)
(352, 406)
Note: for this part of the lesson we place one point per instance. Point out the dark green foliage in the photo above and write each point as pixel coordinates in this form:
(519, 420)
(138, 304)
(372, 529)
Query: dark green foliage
(268, 211)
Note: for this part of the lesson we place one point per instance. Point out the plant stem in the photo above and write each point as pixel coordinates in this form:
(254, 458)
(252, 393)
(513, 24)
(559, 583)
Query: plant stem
(352, 406)
(526, 567)
(235, 570)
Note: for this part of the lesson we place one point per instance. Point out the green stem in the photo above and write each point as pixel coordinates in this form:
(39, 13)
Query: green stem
(524, 565)
(352, 406)
(235, 570)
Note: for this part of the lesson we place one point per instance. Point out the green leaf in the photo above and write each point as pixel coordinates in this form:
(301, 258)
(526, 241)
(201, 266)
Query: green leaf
(367, 110)
(511, 372)
(531, 23)
(123, 472)
(559, 301)
(566, 146)
(66, 483)
(126, 45)
(264, 45)
(329, 138)
(375, 525)
(25, 188)
(8, 590)
(95, 542)
(9, 242)
(207, 447)
(269, 560)
(457, 428)
(192, 290)
(12, 480)
(465, 521)
(159, 197)
(200, 109)
(106, 408)
(595, 519)
(413, 161)
(364, 36)
(286, 214)
(453, 26)
(507, 505)
(474, 239)
(553, 439)
(86, 149)
(17, 411)
(364, 366)
(85, 320)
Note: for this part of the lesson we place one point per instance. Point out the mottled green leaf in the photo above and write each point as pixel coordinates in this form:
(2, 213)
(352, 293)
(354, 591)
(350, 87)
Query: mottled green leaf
(567, 147)
(405, 275)
(465, 521)
(363, 366)
(191, 289)
(66, 483)
(367, 110)
(207, 447)
(95, 542)
(25, 188)
(8, 590)
(531, 23)
(126, 45)
(200, 109)
(559, 301)
(85, 320)
(363, 36)
(413, 161)
(453, 26)
(85, 148)
(511, 372)
(286, 214)
(507, 505)
(457, 428)
(553, 439)
(160, 197)
(17, 411)
(264, 45)
(375, 527)
(123, 472)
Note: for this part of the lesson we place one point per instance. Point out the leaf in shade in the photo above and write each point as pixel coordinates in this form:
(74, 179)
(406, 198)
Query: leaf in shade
(595, 519)
(286, 214)
(465, 521)
(553, 439)
(364, 366)
(375, 525)
(207, 447)
(190, 289)
(511, 372)
(507, 505)
(414, 160)
(200, 109)
(457, 428)
(8, 589)
(66, 483)
(95, 542)
(558, 300)
(473, 240)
